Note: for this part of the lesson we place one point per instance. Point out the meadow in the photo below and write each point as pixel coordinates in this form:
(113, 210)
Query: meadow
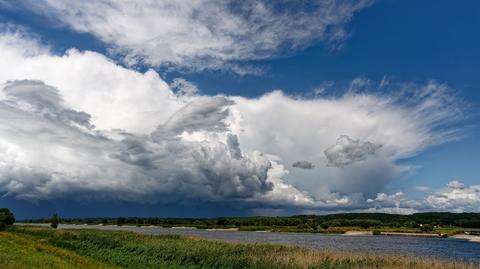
(35, 247)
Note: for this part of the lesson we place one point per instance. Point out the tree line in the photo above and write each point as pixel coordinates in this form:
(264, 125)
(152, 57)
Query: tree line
(364, 220)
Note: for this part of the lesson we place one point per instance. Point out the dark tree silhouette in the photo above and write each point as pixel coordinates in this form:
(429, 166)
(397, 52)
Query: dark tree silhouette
(54, 221)
(6, 218)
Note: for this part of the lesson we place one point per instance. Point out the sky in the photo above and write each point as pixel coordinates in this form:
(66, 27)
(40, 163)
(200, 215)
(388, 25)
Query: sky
(212, 108)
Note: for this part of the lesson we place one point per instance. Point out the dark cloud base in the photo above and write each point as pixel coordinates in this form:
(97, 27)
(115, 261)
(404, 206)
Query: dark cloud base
(70, 209)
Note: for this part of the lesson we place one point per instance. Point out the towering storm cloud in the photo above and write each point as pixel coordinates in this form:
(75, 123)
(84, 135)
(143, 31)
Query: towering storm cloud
(79, 125)
(162, 165)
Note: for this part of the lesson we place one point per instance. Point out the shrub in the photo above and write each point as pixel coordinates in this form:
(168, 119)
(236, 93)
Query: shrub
(6, 218)
(222, 222)
(302, 226)
(325, 225)
(120, 221)
(376, 232)
(426, 228)
(54, 221)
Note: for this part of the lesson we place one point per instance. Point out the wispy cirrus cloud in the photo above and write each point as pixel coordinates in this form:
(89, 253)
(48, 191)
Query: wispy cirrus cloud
(204, 34)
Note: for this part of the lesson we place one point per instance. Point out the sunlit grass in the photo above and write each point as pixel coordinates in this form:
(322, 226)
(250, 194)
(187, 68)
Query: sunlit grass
(18, 251)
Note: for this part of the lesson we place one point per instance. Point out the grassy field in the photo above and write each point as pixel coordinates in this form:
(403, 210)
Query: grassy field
(18, 251)
(33, 247)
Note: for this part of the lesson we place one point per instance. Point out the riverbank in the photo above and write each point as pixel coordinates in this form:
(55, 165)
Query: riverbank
(358, 233)
(370, 233)
(348, 231)
(120, 249)
(449, 232)
(409, 234)
(473, 238)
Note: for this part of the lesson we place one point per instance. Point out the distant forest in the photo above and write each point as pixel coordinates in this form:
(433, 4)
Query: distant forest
(363, 220)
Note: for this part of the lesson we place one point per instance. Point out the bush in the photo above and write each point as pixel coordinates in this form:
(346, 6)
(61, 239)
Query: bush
(302, 226)
(376, 232)
(54, 221)
(222, 222)
(6, 218)
(325, 225)
(426, 228)
(120, 221)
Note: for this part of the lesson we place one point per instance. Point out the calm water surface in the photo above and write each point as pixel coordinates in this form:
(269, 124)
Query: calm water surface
(450, 249)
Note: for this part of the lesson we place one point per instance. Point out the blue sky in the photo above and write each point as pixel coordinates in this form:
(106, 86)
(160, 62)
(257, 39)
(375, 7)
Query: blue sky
(403, 42)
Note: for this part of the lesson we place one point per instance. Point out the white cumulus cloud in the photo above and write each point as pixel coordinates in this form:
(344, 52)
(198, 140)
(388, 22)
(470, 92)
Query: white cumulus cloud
(457, 196)
(50, 151)
(78, 123)
(301, 129)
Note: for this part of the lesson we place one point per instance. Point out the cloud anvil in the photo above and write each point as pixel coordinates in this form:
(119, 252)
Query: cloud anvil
(122, 123)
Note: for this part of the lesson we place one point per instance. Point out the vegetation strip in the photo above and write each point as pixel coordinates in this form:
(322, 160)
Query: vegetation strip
(439, 223)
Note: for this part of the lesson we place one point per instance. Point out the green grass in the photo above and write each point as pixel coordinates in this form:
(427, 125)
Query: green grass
(130, 250)
(18, 251)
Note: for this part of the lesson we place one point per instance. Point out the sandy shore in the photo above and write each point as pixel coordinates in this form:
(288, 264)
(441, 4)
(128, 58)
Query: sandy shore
(363, 233)
(473, 238)
(409, 234)
(367, 233)
(184, 227)
(223, 229)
